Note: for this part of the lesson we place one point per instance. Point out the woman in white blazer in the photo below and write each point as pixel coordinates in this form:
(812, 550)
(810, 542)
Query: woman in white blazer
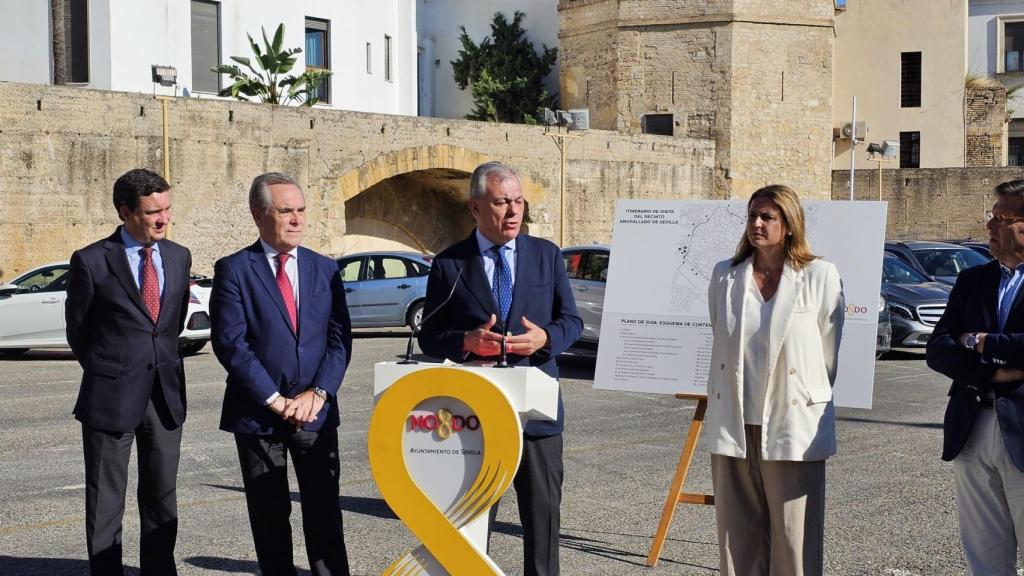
(777, 314)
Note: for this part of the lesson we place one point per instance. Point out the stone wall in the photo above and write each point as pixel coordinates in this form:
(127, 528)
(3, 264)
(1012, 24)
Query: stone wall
(754, 75)
(985, 125)
(62, 148)
(930, 203)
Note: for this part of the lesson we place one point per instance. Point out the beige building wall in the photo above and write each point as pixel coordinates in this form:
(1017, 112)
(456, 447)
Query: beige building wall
(390, 181)
(754, 75)
(870, 36)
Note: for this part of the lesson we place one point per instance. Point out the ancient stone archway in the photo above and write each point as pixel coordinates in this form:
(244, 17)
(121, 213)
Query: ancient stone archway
(411, 199)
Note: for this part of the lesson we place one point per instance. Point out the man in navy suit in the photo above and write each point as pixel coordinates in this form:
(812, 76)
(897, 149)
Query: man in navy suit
(126, 304)
(507, 282)
(281, 330)
(979, 343)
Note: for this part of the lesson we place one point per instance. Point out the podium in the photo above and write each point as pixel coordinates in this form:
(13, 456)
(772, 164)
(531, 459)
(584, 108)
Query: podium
(444, 443)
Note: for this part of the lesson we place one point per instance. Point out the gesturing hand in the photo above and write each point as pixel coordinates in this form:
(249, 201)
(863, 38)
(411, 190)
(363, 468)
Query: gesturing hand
(482, 341)
(528, 342)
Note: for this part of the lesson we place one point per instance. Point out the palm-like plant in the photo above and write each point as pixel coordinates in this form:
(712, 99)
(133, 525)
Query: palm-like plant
(269, 79)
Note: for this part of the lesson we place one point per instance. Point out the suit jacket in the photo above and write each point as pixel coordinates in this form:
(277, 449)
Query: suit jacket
(541, 293)
(112, 336)
(972, 307)
(254, 341)
(806, 325)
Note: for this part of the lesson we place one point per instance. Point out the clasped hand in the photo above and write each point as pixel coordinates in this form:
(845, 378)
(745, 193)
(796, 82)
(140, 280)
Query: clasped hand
(482, 342)
(300, 410)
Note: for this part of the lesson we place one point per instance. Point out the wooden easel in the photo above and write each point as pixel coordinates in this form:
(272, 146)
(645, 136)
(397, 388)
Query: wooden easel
(676, 496)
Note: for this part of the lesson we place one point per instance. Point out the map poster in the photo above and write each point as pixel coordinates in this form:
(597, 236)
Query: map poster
(655, 330)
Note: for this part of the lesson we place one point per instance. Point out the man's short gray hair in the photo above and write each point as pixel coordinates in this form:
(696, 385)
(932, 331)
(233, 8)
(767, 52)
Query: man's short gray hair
(486, 171)
(259, 192)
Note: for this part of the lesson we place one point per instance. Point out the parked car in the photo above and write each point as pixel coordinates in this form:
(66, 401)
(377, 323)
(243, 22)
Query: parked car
(883, 343)
(939, 261)
(385, 289)
(915, 303)
(32, 313)
(979, 247)
(587, 268)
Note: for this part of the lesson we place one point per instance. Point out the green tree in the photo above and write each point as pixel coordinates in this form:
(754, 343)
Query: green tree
(268, 80)
(505, 73)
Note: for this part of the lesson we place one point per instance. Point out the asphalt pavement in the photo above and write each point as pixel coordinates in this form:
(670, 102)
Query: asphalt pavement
(890, 505)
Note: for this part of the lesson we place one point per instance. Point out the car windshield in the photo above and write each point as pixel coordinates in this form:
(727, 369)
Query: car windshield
(895, 271)
(947, 261)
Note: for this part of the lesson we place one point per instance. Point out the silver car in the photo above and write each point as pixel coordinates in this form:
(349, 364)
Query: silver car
(587, 267)
(385, 289)
(915, 303)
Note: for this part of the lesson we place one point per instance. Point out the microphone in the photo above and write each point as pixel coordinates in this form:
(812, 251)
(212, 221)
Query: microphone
(416, 331)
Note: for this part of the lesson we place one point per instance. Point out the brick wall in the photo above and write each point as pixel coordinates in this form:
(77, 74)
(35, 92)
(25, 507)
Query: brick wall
(985, 124)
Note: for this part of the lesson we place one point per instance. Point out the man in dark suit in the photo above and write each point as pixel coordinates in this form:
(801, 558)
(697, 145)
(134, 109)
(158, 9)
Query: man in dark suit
(281, 329)
(507, 282)
(979, 343)
(127, 301)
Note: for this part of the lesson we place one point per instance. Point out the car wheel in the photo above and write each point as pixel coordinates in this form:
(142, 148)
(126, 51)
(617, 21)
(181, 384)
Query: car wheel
(191, 347)
(414, 318)
(13, 351)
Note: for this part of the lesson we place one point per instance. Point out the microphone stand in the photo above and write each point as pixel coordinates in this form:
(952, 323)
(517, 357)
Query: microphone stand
(415, 332)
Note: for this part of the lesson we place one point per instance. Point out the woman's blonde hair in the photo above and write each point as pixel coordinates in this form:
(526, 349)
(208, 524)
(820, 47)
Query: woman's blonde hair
(796, 250)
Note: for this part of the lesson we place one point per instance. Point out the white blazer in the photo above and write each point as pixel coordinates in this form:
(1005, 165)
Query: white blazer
(804, 331)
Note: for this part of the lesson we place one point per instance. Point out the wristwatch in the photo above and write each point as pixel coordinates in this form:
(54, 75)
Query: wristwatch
(971, 342)
(320, 392)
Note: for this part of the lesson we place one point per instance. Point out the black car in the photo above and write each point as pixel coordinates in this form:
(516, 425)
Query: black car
(938, 261)
(915, 303)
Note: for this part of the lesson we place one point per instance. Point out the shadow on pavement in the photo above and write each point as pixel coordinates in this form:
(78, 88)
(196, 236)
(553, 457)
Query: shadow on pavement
(44, 566)
(930, 425)
(229, 565)
(42, 354)
(576, 367)
(903, 354)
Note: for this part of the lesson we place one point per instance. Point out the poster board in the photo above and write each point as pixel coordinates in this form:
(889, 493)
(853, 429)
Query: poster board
(655, 331)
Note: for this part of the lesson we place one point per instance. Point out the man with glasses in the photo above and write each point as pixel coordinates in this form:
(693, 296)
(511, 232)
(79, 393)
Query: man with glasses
(979, 343)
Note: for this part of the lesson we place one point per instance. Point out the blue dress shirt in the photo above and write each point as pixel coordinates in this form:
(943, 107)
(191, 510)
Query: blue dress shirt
(133, 249)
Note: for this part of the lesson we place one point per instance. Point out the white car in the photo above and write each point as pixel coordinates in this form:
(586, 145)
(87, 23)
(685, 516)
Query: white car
(32, 312)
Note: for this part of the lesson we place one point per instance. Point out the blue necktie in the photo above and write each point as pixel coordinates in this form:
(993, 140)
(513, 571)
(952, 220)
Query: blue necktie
(501, 284)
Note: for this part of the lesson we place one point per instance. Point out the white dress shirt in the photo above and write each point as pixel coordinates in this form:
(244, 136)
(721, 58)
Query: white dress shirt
(757, 317)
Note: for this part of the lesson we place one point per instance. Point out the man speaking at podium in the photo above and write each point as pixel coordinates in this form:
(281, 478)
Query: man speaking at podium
(498, 281)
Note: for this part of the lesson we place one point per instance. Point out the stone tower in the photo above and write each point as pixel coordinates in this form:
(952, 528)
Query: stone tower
(754, 75)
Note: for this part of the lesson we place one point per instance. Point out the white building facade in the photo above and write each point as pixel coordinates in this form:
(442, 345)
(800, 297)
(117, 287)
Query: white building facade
(438, 22)
(995, 32)
(370, 46)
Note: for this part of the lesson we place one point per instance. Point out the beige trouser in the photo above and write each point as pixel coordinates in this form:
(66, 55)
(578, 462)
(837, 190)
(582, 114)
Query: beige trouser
(771, 514)
(989, 500)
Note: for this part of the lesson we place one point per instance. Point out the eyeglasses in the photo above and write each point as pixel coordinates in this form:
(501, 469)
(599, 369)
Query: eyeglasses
(991, 217)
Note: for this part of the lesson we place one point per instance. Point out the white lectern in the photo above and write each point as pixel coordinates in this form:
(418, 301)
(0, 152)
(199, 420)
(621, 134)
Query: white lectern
(444, 443)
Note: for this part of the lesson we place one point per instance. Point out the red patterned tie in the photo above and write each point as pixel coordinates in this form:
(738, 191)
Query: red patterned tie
(150, 284)
(287, 293)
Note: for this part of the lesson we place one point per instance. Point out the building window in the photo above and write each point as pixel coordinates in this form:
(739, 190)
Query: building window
(317, 54)
(387, 58)
(657, 124)
(910, 79)
(205, 45)
(1015, 143)
(1013, 47)
(369, 58)
(76, 40)
(910, 149)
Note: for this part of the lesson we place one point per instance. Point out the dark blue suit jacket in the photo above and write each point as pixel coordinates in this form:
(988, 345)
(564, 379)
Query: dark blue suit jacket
(112, 336)
(972, 307)
(254, 340)
(541, 293)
